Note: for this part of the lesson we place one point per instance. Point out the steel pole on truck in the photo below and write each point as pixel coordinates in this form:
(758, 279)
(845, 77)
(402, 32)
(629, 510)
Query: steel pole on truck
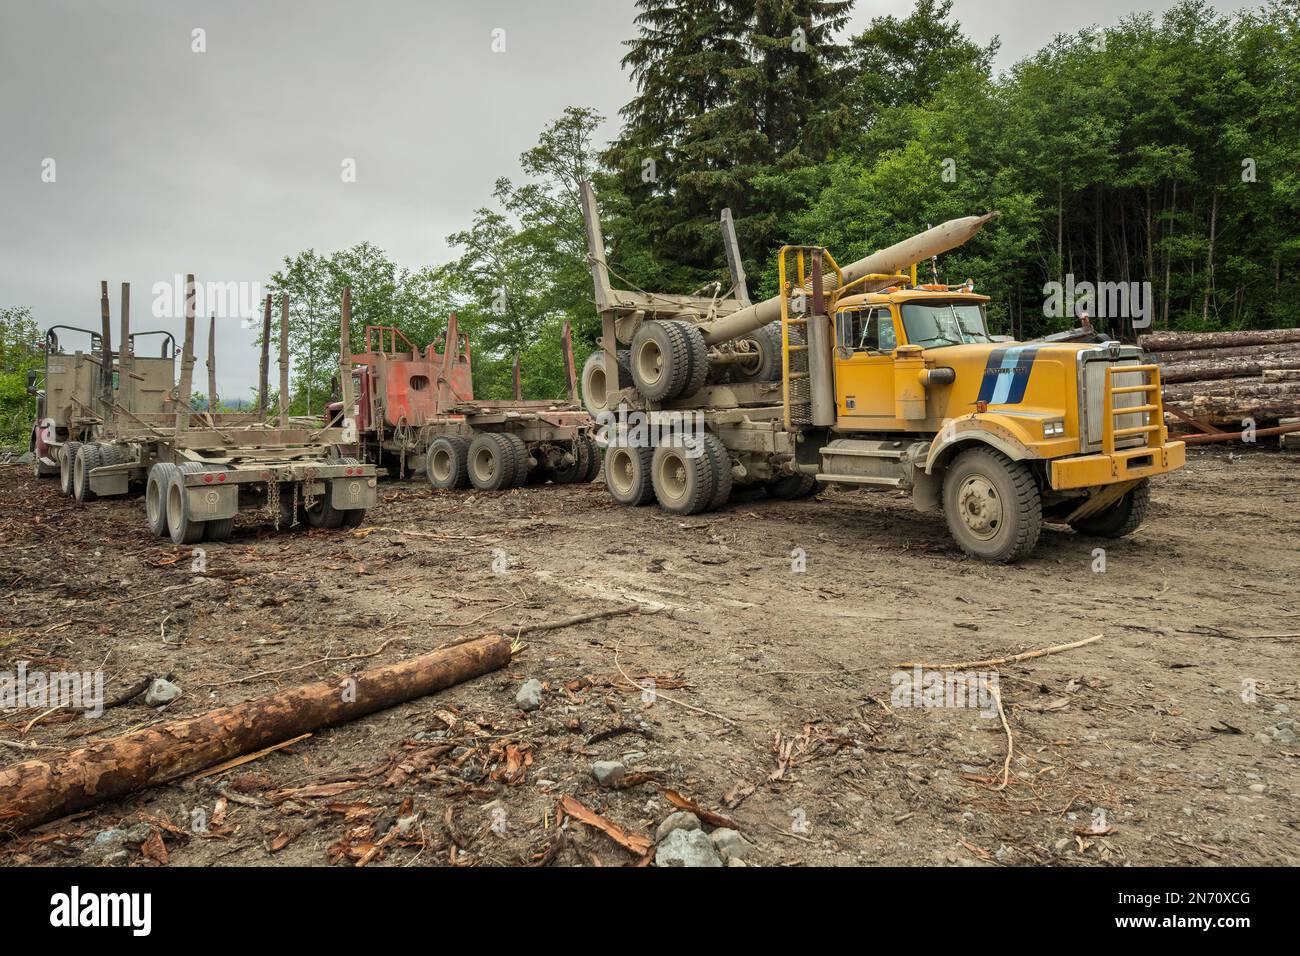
(105, 356)
(284, 360)
(263, 368)
(345, 362)
(187, 360)
(125, 359)
(212, 364)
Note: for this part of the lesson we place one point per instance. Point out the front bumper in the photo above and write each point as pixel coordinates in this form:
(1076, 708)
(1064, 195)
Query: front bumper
(1132, 464)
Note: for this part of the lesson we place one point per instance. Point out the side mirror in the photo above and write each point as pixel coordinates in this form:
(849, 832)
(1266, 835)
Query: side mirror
(31, 381)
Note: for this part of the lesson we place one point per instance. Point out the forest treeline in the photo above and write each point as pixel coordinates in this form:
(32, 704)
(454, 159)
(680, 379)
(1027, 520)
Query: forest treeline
(1164, 149)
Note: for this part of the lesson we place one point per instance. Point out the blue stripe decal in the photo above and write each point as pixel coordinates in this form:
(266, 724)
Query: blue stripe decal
(990, 375)
(1021, 382)
(1006, 375)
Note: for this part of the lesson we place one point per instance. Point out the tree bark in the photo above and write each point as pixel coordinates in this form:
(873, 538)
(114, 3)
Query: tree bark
(52, 786)
(1234, 367)
(1249, 352)
(1180, 341)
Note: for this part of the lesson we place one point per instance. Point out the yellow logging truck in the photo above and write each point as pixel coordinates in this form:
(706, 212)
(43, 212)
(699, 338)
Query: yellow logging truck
(860, 376)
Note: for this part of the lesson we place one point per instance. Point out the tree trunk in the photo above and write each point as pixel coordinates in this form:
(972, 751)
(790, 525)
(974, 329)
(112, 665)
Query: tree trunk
(1179, 341)
(1252, 352)
(1224, 369)
(52, 786)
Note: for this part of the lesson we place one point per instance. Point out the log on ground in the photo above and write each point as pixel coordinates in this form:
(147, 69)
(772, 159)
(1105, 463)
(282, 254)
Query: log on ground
(53, 785)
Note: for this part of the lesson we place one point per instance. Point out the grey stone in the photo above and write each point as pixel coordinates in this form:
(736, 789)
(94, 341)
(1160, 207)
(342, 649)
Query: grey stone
(117, 858)
(730, 844)
(26, 458)
(161, 692)
(530, 695)
(112, 837)
(687, 848)
(608, 772)
(681, 820)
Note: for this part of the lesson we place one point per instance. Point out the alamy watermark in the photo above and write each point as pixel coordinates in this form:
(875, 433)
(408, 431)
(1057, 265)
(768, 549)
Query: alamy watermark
(635, 429)
(1100, 300)
(225, 300)
(75, 690)
(924, 687)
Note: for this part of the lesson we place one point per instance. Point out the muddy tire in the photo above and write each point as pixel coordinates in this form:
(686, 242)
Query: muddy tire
(446, 463)
(627, 474)
(720, 463)
(793, 487)
(684, 482)
(992, 505)
(180, 525)
(492, 465)
(322, 513)
(572, 472)
(89, 458)
(593, 460)
(155, 497)
(698, 351)
(1120, 519)
(594, 383)
(523, 459)
(67, 462)
(765, 366)
(666, 359)
(219, 530)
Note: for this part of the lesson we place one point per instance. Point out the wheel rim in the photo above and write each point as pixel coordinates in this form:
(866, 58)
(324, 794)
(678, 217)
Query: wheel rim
(649, 362)
(441, 464)
(485, 464)
(596, 391)
(151, 503)
(753, 360)
(672, 476)
(621, 473)
(174, 506)
(980, 507)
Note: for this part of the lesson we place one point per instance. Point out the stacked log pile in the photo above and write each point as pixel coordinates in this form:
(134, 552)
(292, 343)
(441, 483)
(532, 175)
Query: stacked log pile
(1221, 378)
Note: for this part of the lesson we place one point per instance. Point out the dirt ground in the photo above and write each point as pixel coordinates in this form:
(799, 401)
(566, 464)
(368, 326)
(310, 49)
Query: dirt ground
(1166, 742)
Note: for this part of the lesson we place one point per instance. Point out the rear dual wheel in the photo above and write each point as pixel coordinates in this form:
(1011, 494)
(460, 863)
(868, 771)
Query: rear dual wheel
(585, 465)
(691, 476)
(446, 463)
(323, 513)
(497, 461)
(88, 458)
(596, 385)
(669, 359)
(68, 462)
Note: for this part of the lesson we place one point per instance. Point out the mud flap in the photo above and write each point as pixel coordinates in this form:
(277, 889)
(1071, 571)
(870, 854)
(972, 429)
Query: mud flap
(213, 503)
(927, 490)
(347, 494)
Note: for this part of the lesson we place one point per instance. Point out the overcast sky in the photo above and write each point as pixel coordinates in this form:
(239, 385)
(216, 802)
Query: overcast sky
(221, 163)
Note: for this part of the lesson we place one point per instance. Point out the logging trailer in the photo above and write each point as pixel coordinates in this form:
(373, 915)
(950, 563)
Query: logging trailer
(108, 421)
(860, 376)
(419, 407)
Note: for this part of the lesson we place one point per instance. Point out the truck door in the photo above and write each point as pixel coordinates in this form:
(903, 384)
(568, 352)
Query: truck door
(864, 362)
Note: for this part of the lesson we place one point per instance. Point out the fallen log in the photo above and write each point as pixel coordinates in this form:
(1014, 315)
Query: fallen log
(1284, 374)
(1178, 341)
(52, 786)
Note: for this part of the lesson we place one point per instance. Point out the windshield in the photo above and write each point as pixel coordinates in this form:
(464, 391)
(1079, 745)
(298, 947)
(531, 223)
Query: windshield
(931, 324)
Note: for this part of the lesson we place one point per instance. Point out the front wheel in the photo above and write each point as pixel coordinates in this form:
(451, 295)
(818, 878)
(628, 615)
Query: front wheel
(992, 505)
(1120, 519)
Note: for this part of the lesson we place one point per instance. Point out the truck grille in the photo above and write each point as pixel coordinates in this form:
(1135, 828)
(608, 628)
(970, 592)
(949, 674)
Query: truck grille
(1093, 395)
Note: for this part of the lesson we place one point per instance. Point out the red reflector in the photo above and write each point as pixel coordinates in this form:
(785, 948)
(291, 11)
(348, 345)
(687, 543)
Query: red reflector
(207, 479)
(221, 477)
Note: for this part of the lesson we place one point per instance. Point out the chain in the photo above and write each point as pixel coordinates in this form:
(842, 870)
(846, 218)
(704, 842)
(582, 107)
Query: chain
(297, 486)
(273, 502)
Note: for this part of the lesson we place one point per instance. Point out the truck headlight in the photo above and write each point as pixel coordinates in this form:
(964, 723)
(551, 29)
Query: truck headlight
(1054, 428)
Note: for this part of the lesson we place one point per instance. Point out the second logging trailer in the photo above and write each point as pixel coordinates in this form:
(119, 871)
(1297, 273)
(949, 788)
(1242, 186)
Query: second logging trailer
(109, 421)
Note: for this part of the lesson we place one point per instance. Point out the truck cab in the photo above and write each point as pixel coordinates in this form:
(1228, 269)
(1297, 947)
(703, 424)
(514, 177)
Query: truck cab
(921, 387)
